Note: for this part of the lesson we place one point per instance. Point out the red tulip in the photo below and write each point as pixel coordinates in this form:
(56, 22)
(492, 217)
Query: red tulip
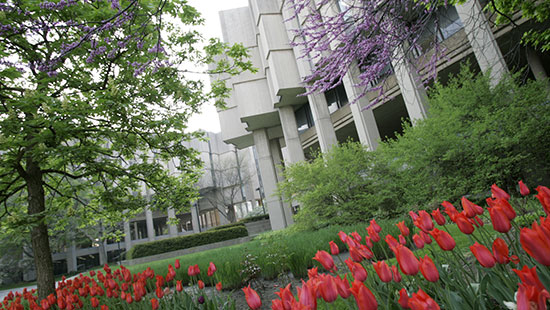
(373, 234)
(200, 283)
(375, 226)
(536, 242)
(449, 209)
(404, 299)
(392, 243)
(334, 250)
(211, 269)
(438, 217)
(544, 197)
(463, 224)
(402, 240)
(129, 299)
(470, 208)
(179, 286)
(363, 297)
(497, 192)
(483, 255)
(531, 291)
(307, 295)
(403, 228)
(427, 239)
(428, 269)
(407, 261)
(193, 270)
(328, 288)
(359, 273)
(105, 307)
(368, 241)
(343, 236)
(356, 237)
(154, 304)
(501, 251)
(396, 274)
(286, 298)
(443, 239)
(252, 298)
(421, 301)
(383, 271)
(325, 259)
(95, 302)
(413, 215)
(177, 264)
(159, 292)
(424, 221)
(360, 252)
(418, 241)
(219, 286)
(312, 273)
(343, 286)
(500, 221)
(523, 189)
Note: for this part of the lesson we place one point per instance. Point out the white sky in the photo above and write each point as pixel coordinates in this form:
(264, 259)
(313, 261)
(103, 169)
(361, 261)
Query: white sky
(208, 119)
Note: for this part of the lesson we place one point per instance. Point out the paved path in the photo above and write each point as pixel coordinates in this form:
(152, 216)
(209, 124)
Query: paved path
(19, 289)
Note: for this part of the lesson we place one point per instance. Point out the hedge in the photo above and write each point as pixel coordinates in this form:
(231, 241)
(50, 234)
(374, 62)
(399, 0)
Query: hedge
(185, 242)
(254, 218)
(232, 225)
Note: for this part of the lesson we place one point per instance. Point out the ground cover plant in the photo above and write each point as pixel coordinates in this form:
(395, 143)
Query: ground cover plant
(506, 266)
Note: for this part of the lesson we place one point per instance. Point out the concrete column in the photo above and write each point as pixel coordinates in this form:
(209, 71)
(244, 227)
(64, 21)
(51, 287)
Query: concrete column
(195, 218)
(269, 180)
(127, 236)
(150, 225)
(292, 137)
(364, 120)
(482, 40)
(412, 90)
(278, 161)
(323, 124)
(535, 64)
(172, 229)
(71, 258)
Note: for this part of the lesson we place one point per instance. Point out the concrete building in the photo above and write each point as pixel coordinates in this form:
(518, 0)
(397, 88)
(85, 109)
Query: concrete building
(229, 189)
(265, 109)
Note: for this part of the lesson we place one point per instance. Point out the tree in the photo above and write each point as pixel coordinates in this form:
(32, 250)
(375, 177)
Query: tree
(337, 35)
(93, 94)
(230, 175)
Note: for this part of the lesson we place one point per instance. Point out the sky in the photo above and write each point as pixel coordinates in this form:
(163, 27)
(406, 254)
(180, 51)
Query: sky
(208, 118)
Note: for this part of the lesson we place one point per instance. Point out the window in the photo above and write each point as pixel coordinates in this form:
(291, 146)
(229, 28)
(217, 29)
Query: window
(304, 118)
(441, 26)
(336, 98)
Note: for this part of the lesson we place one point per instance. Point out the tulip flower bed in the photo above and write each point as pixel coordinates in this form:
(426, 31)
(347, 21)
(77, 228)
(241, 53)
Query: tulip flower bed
(507, 268)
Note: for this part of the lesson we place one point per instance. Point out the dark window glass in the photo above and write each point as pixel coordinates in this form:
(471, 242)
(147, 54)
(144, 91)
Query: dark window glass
(336, 98)
(304, 119)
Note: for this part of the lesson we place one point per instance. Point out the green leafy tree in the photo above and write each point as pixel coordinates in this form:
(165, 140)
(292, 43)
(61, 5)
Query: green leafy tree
(337, 187)
(475, 135)
(94, 96)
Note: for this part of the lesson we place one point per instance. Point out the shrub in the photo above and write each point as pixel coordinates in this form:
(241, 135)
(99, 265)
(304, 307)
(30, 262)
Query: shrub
(237, 224)
(338, 187)
(254, 218)
(184, 242)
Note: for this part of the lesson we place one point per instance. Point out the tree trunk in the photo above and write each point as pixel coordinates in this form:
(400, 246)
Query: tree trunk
(39, 232)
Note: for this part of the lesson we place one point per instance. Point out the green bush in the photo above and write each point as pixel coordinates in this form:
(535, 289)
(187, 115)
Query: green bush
(338, 187)
(475, 135)
(254, 218)
(184, 242)
(237, 224)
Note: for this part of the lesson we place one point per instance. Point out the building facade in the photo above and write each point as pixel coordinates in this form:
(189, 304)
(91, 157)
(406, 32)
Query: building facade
(266, 109)
(229, 189)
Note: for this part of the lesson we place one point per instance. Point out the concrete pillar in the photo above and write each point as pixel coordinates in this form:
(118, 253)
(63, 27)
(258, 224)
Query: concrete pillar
(71, 258)
(195, 218)
(172, 228)
(482, 40)
(150, 225)
(278, 161)
(269, 180)
(364, 120)
(323, 124)
(412, 90)
(291, 135)
(127, 236)
(535, 64)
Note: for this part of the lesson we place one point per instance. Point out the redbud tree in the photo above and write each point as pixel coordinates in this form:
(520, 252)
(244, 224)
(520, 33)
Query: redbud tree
(337, 35)
(94, 97)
